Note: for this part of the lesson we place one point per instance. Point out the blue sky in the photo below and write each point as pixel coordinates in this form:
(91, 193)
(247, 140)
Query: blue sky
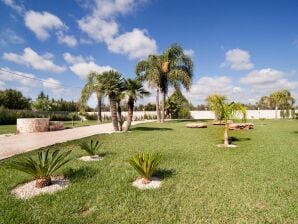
(243, 49)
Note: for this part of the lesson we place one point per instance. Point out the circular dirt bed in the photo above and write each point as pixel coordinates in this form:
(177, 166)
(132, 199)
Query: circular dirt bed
(196, 125)
(29, 190)
(91, 158)
(226, 146)
(155, 183)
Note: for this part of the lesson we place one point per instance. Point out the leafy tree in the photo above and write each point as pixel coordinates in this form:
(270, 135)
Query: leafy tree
(282, 99)
(13, 99)
(226, 111)
(113, 87)
(133, 90)
(216, 103)
(93, 85)
(175, 103)
(42, 103)
(176, 70)
(150, 70)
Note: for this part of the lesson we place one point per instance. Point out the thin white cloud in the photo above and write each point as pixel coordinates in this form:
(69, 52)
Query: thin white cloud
(189, 52)
(54, 86)
(14, 6)
(69, 40)
(18, 77)
(82, 66)
(32, 59)
(8, 36)
(267, 80)
(206, 86)
(238, 59)
(101, 26)
(72, 59)
(135, 44)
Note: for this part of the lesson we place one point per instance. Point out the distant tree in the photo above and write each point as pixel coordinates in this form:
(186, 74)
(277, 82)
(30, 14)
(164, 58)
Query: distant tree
(93, 85)
(13, 99)
(42, 102)
(264, 103)
(175, 103)
(282, 99)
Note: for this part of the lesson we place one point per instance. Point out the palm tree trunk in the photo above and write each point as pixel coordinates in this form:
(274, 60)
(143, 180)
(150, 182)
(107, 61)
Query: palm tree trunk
(113, 110)
(130, 105)
(163, 108)
(119, 113)
(157, 104)
(226, 136)
(99, 105)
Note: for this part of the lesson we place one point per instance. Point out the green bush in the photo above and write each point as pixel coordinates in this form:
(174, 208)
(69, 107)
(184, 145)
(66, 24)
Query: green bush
(184, 113)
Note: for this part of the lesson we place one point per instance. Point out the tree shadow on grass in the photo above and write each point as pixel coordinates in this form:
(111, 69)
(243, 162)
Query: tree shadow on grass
(295, 132)
(76, 175)
(164, 173)
(150, 129)
(236, 139)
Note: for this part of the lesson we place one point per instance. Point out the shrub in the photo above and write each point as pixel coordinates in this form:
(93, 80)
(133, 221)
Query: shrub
(42, 168)
(184, 113)
(91, 117)
(145, 164)
(91, 149)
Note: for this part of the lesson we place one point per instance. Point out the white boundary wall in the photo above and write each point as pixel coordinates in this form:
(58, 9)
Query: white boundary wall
(251, 114)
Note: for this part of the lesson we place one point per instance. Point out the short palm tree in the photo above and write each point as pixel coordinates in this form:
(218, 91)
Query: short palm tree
(113, 87)
(150, 70)
(93, 85)
(226, 111)
(215, 103)
(133, 90)
(145, 164)
(43, 168)
(91, 148)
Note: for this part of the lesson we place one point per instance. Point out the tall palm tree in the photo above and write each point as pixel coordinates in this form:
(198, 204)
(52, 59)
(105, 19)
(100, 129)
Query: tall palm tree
(150, 70)
(93, 85)
(133, 90)
(176, 70)
(227, 111)
(113, 86)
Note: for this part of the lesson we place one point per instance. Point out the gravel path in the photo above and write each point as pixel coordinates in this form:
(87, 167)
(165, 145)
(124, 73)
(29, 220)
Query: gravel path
(17, 144)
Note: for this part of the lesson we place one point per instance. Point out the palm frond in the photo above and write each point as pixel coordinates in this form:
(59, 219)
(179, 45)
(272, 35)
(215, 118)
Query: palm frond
(145, 164)
(91, 148)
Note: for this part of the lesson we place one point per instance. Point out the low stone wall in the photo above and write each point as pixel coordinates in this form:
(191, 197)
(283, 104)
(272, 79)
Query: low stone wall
(28, 125)
(56, 125)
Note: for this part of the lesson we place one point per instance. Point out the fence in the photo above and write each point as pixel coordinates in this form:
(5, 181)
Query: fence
(251, 114)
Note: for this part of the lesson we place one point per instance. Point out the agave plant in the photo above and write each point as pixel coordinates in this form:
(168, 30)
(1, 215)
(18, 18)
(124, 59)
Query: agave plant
(42, 169)
(145, 164)
(91, 148)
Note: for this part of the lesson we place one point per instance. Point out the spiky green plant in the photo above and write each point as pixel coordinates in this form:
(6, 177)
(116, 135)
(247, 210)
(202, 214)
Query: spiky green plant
(91, 148)
(145, 164)
(43, 167)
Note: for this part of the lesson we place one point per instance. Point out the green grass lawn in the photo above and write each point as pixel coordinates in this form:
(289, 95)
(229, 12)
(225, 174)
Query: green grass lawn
(257, 182)
(11, 129)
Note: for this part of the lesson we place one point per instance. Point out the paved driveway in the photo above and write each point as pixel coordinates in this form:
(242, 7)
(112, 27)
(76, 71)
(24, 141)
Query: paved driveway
(17, 144)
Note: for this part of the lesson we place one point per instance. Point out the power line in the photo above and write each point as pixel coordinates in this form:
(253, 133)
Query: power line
(37, 79)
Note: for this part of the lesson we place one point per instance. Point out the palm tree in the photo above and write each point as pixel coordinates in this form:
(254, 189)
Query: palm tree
(113, 86)
(176, 69)
(93, 85)
(226, 111)
(134, 90)
(282, 99)
(215, 103)
(150, 70)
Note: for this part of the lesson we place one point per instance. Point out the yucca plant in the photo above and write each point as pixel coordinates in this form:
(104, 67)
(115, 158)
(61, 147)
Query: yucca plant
(145, 164)
(43, 167)
(91, 148)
